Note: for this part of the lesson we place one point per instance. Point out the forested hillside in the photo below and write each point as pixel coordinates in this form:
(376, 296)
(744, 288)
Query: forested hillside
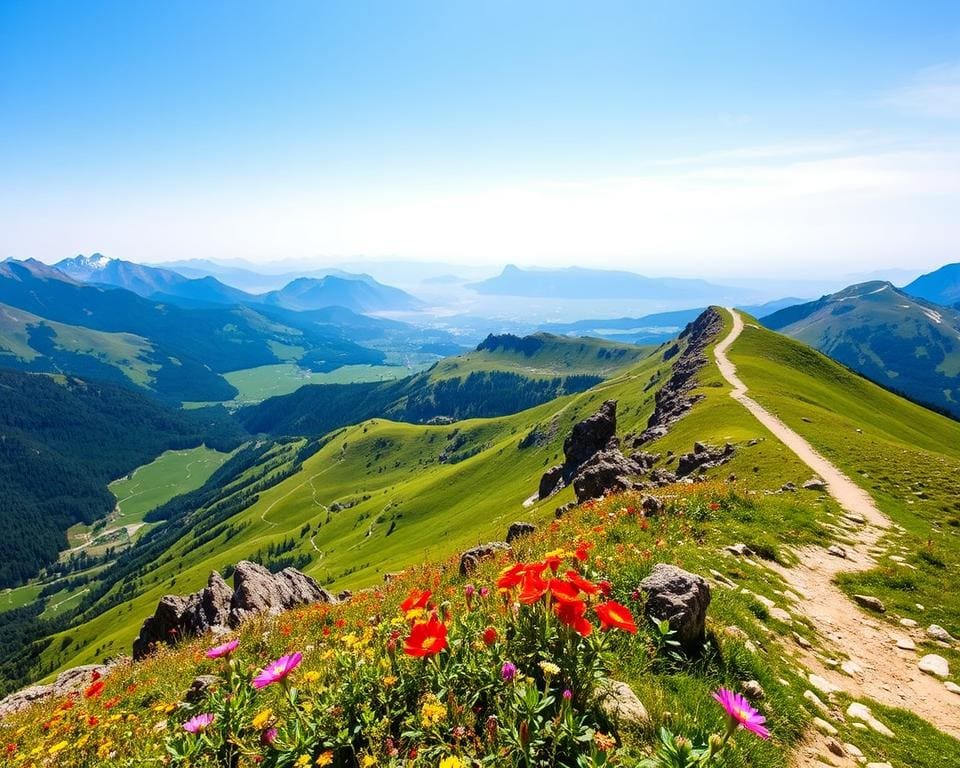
(62, 440)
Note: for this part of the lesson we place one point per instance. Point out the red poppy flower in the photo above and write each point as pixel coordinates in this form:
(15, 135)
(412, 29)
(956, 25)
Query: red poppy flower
(510, 577)
(489, 636)
(427, 638)
(416, 599)
(532, 588)
(572, 614)
(564, 591)
(615, 615)
(553, 561)
(582, 550)
(605, 588)
(582, 584)
(94, 689)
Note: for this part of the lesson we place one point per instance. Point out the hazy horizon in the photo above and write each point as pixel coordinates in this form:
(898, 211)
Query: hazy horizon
(661, 141)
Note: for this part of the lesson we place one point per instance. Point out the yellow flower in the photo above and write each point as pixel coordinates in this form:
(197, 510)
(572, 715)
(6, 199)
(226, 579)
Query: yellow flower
(59, 746)
(549, 668)
(82, 741)
(368, 760)
(302, 761)
(452, 762)
(432, 713)
(312, 676)
(326, 758)
(389, 680)
(262, 718)
(307, 706)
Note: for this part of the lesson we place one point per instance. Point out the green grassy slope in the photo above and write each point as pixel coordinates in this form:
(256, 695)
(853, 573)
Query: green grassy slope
(905, 456)
(29, 342)
(377, 497)
(542, 355)
(897, 340)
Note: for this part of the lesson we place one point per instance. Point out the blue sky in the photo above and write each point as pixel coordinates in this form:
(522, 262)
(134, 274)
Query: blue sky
(667, 137)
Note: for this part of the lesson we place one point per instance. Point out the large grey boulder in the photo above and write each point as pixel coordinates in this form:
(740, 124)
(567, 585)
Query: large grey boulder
(589, 437)
(605, 472)
(518, 529)
(681, 598)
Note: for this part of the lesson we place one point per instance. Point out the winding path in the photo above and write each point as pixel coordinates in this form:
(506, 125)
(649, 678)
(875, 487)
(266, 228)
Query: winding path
(882, 672)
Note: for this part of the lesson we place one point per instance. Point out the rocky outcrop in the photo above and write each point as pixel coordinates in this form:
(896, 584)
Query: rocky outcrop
(587, 438)
(605, 472)
(681, 598)
(470, 559)
(217, 608)
(68, 681)
(703, 457)
(676, 397)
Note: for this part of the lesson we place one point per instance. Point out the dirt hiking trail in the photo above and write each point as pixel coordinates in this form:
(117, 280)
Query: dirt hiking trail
(880, 670)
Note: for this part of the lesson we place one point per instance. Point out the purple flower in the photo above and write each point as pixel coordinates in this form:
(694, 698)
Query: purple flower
(277, 670)
(567, 694)
(198, 723)
(223, 650)
(739, 712)
(508, 671)
(268, 737)
(484, 591)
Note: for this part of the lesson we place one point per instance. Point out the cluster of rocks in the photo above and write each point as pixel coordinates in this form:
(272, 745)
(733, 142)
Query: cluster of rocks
(595, 465)
(218, 608)
(675, 398)
(703, 457)
(68, 681)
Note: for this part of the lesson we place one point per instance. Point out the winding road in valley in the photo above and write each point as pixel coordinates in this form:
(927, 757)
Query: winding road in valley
(880, 670)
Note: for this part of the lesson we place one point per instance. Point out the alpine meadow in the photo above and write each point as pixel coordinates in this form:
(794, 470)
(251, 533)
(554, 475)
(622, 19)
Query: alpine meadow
(439, 385)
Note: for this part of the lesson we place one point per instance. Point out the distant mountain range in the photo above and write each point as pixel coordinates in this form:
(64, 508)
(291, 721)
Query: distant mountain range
(178, 352)
(941, 286)
(358, 293)
(652, 329)
(579, 283)
(906, 344)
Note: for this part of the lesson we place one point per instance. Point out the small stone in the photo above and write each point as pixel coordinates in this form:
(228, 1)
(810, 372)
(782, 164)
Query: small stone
(739, 550)
(855, 518)
(801, 640)
(752, 689)
(822, 684)
(851, 668)
(920, 606)
(815, 484)
(199, 688)
(906, 644)
(736, 632)
(934, 665)
(909, 623)
(815, 700)
(862, 712)
(620, 704)
(939, 633)
(824, 726)
(951, 686)
(834, 746)
(854, 751)
(836, 551)
(868, 601)
(898, 559)
(879, 765)
(781, 615)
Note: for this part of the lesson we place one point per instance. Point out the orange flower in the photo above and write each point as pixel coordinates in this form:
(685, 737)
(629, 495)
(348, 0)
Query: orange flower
(416, 599)
(572, 613)
(582, 549)
(615, 615)
(427, 638)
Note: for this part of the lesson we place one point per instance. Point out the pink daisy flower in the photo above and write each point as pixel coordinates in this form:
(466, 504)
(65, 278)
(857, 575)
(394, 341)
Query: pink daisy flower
(198, 723)
(223, 650)
(740, 712)
(277, 670)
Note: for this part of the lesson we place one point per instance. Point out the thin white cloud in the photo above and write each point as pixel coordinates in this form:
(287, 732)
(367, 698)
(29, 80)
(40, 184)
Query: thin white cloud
(933, 92)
